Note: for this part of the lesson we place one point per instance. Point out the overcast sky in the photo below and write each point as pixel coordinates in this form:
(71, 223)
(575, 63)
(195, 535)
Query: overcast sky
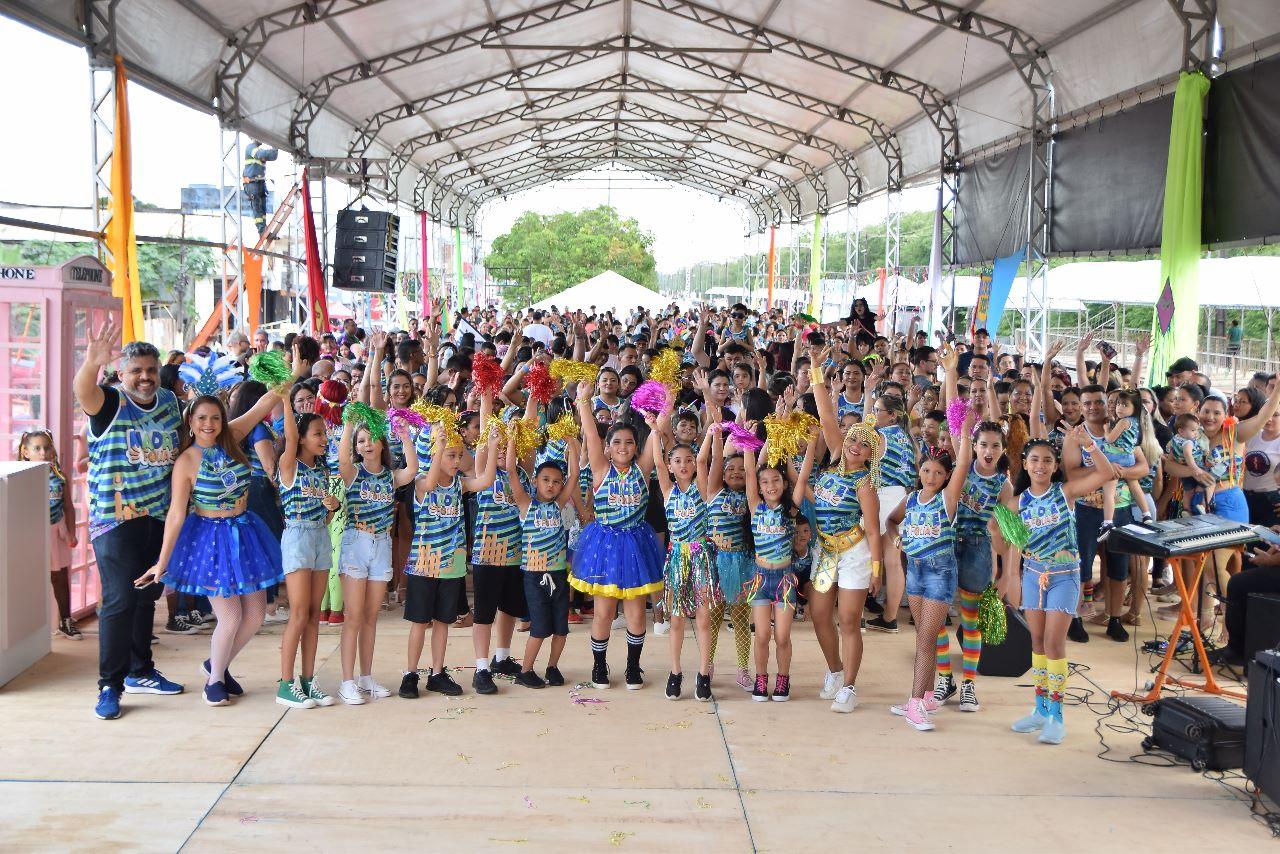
(45, 160)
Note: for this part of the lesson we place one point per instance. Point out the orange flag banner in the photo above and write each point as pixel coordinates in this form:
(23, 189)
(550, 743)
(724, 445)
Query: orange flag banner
(120, 238)
(253, 289)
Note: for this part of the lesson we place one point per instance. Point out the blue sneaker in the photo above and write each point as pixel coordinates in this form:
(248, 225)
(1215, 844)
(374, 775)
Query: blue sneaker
(151, 683)
(1054, 731)
(216, 694)
(108, 707)
(233, 687)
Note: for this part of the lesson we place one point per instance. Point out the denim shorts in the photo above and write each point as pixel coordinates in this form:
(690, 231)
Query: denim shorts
(547, 594)
(365, 556)
(932, 576)
(1060, 591)
(305, 545)
(974, 562)
(777, 587)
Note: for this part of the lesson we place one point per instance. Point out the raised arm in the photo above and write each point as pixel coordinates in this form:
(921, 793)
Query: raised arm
(346, 466)
(101, 351)
(287, 463)
(1253, 425)
(800, 490)
(243, 426)
(485, 479)
(372, 391)
(964, 459)
(827, 417)
(1082, 373)
(518, 492)
(590, 436)
(753, 482)
(573, 450)
(1141, 345)
(1102, 472)
(182, 479)
(715, 472)
(406, 475)
(1048, 406)
(700, 339)
(655, 443)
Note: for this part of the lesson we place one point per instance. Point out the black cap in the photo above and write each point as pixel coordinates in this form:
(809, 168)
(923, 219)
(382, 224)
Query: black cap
(1186, 363)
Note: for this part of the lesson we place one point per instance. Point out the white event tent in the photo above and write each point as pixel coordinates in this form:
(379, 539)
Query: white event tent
(606, 290)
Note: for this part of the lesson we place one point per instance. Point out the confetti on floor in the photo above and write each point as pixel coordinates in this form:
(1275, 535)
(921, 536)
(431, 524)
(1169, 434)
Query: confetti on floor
(645, 804)
(676, 725)
(703, 804)
(619, 836)
(505, 765)
(544, 732)
(528, 802)
(581, 799)
(520, 841)
(248, 819)
(464, 759)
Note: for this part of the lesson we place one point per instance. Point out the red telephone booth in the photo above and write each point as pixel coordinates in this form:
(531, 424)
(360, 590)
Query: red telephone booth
(46, 314)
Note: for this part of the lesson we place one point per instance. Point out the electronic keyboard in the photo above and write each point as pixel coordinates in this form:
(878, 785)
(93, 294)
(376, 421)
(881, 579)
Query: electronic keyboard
(1178, 537)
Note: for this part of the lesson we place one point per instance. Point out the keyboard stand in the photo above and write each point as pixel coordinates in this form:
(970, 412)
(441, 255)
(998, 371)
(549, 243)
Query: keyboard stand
(1186, 619)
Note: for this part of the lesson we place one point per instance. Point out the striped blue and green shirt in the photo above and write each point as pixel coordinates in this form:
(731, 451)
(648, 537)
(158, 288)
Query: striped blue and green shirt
(926, 528)
(130, 464)
(437, 531)
(303, 499)
(371, 500)
(497, 532)
(545, 541)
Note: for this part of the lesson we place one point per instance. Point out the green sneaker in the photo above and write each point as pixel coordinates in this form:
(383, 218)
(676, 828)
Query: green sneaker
(290, 694)
(312, 690)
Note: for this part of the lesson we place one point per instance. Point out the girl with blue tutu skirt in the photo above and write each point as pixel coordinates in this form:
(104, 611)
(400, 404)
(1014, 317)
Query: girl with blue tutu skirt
(364, 559)
(618, 556)
(691, 588)
(726, 524)
(219, 548)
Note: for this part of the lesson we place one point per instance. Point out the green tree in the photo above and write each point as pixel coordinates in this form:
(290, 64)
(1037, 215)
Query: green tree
(564, 249)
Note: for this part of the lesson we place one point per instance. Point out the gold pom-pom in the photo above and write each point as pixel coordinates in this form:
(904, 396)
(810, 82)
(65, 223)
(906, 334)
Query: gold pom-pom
(492, 425)
(569, 371)
(528, 436)
(564, 428)
(442, 415)
(666, 370)
(786, 435)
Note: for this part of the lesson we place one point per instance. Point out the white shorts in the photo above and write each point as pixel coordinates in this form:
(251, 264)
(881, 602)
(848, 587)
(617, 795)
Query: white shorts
(890, 498)
(853, 567)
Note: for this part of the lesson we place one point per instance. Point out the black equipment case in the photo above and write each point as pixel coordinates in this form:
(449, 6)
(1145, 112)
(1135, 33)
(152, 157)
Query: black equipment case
(1207, 731)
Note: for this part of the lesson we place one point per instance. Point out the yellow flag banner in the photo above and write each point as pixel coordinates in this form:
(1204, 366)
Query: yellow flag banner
(120, 237)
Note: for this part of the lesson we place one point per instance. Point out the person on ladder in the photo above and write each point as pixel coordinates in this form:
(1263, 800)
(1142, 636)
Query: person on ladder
(254, 179)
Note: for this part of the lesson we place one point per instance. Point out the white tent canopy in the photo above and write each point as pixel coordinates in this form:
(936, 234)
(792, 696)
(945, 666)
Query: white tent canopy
(794, 105)
(606, 290)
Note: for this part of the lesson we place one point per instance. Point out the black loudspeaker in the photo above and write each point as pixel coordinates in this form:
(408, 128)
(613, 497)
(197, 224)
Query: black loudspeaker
(1011, 658)
(1262, 724)
(366, 251)
(1262, 626)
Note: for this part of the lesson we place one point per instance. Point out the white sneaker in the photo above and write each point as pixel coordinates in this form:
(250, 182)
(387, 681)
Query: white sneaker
(619, 622)
(830, 685)
(662, 628)
(280, 616)
(349, 692)
(371, 687)
(846, 700)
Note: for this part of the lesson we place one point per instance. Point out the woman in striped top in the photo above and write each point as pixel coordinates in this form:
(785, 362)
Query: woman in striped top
(306, 551)
(925, 520)
(897, 476)
(1051, 569)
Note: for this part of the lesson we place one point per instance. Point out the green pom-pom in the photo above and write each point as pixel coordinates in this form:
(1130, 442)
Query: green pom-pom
(374, 420)
(270, 369)
(1012, 527)
(991, 618)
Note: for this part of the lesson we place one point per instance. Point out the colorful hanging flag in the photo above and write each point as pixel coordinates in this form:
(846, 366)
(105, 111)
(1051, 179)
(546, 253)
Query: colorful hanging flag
(1173, 326)
(120, 239)
(317, 299)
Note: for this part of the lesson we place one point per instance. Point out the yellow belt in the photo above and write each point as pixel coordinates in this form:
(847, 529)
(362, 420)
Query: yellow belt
(833, 545)
(367, 528)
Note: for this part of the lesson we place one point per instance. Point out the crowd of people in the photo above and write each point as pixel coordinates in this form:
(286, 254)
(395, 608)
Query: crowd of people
(726, 469)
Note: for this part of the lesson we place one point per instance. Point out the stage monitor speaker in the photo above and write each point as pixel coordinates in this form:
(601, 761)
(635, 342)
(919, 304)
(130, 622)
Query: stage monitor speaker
(1011, 658)
(367, 251)
(1262, 626)
(1262, 724)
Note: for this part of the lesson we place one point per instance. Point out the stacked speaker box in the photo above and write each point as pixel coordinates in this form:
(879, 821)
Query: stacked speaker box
(367, 251)
(1262, 724)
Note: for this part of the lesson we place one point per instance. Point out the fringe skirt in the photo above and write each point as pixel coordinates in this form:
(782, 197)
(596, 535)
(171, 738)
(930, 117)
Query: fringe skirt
(691, 578)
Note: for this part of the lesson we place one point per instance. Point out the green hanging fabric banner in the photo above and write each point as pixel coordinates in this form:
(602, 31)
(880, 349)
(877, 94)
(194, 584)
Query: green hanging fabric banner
(1173, 327)
(815, 268)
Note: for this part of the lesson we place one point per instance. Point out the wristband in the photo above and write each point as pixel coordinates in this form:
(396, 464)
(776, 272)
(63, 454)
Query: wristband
(877, 568)
(816, 375)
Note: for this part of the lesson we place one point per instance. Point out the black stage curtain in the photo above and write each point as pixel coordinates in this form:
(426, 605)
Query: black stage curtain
(1242, 158)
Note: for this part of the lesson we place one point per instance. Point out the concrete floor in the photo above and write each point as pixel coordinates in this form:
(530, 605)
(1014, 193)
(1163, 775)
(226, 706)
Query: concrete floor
(534, 771)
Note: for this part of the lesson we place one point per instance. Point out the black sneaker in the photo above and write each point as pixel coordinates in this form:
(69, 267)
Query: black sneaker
(554, 677)
(442, 683)
(409, 686)
(674, 681)
(506, 667)
(179, 626)
(781, 688)
(1104, 531)
(873, 606)
(1116, 630)
(529, 679)
(944, 688)
(760, 693)
(482, 681)
(1077, 632)
(880, 624)
(702, 688)
(634, 678)
(600, 675)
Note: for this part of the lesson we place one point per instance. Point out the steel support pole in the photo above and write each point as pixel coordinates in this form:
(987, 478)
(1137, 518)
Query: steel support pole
(229, 171)
(892, 248)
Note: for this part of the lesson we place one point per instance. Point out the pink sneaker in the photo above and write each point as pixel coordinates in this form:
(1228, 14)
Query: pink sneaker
(744, 680)
(916, 715)
(931, 703)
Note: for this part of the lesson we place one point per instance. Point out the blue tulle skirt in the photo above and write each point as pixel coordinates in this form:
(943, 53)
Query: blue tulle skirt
(622, 563)
(224, 557)
(735, 570)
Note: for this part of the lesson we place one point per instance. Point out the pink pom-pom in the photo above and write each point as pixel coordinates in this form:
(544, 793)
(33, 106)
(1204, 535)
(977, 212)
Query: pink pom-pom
(405, 418)
(957, 412)
(651, 396)
(741, 436)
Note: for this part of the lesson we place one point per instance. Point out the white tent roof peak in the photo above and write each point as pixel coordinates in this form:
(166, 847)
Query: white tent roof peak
(605, 290)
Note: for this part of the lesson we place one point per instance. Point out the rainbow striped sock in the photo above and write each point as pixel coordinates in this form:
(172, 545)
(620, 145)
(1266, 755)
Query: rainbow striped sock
(970, 636)
(944, 653)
